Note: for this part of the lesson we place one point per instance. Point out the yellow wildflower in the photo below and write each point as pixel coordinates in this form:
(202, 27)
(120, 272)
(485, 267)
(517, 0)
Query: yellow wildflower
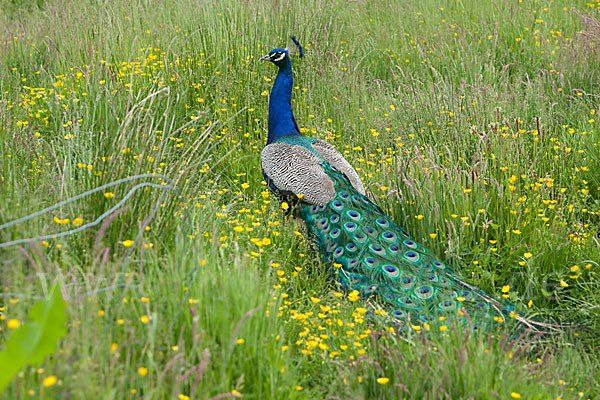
(13, 324)
(62, 221)
(77, 221)
(49, 381)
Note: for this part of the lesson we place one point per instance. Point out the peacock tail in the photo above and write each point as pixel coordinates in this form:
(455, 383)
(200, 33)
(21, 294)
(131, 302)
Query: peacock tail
(375, 256)
(365, 249)
(370, 253)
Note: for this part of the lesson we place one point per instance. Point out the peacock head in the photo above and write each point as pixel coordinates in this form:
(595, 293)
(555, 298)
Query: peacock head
(279, 57)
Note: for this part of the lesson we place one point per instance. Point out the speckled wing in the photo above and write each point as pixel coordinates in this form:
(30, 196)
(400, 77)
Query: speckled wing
(333, 157)
(293, 169)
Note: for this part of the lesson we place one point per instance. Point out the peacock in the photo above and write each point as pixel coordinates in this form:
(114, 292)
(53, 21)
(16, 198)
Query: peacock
(367, 251)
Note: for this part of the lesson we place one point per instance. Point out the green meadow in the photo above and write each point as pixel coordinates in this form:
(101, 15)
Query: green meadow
(474, 124)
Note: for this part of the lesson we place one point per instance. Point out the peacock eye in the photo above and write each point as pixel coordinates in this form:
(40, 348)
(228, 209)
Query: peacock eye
(278, 56)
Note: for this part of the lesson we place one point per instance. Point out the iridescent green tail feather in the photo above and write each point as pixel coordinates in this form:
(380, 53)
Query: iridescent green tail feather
(376, 257)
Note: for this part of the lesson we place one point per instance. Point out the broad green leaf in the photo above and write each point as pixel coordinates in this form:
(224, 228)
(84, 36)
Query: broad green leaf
(35, 339)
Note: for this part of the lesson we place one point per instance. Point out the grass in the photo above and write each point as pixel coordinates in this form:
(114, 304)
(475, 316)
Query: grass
(475, 125)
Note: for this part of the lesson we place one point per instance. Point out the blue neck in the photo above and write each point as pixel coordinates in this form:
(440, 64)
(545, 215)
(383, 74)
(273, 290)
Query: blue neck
(281, 117)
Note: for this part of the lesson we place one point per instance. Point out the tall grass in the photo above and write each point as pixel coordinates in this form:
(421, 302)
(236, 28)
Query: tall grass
(475, 125)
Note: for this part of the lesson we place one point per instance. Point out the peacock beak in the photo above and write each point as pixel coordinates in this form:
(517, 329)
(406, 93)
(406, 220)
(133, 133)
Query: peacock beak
(264, 58)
